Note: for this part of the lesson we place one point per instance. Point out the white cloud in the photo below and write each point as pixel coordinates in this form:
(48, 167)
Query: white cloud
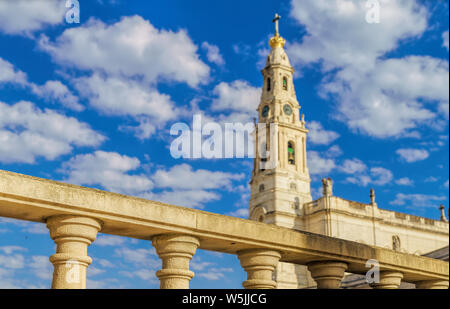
(413, 155)
(405, 181)
(56, 91)
(185, 192)
(131, 57)
(197, 265)
(317, 192)
(385, 102)
(26, 227)
(14, 261)
(114, 96)
(238, 98)
(262, 55)
(131, 47)
(112, 171)
(184, 198)
(180, 177)
(334, 151)
(7, 280)
(125, 97)
(372, 94)
(36, 228)
(380, 176)
(240, 213)
(108, 283)
(362, 43)
(103, 262)
(445, 39)
(242, 49)
(446, 184)
(8, 74)
(413, 78)
(25, 16)
(377, 176)
(108, 240)
(417, 200)
(353, 166)
(52, 90)
(319, 136)
(26, 132)
(107, 169)
(318, 165)
(214, 274)
(213, 53)
(139, 256)
(12, 249)
(144, 130)
(233, 104)
(94, 271)
(431, 179)
(41, 267)
(206, 270)
(143, 274)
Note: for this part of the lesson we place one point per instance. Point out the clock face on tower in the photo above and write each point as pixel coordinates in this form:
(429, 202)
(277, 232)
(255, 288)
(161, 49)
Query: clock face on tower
(287, 109)
(265, 111)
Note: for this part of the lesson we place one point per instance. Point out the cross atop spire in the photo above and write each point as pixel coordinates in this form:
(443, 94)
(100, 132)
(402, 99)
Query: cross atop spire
(275, 20)
(277, 40)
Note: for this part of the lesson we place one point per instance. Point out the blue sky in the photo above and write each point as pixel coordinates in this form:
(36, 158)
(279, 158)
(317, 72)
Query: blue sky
(92, 104)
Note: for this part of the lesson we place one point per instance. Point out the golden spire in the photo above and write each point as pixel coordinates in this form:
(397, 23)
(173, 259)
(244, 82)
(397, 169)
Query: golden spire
(277, 40)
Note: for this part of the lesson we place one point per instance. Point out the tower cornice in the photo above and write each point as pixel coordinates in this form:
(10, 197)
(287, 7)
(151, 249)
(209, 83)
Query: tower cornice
(290, 69)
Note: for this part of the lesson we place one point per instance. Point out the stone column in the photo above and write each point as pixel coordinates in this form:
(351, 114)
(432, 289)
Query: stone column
(432, 284)
(327, 274)
(388, 280)
(72, 235)
(259, 265)
(175, 251)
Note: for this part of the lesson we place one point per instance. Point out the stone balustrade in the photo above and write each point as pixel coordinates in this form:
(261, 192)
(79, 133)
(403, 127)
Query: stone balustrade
(74, 215)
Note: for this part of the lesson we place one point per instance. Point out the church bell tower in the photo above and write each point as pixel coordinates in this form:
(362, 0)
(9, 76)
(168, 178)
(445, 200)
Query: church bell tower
(280, 184)
(279, 189)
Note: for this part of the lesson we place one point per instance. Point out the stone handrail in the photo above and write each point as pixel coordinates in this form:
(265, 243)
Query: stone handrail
(75, 214)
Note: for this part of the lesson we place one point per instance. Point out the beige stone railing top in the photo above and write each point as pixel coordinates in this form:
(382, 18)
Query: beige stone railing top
(34, 199)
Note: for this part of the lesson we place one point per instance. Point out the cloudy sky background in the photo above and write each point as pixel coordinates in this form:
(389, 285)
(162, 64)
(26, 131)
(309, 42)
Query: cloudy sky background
(92, 104)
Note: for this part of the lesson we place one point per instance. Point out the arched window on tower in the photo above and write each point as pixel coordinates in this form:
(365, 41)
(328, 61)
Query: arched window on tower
(291, 153)
(269, 84)
(264, 157)
(285, 83)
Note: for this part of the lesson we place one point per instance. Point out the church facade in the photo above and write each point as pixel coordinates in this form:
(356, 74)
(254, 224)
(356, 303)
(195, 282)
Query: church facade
(281, 194)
